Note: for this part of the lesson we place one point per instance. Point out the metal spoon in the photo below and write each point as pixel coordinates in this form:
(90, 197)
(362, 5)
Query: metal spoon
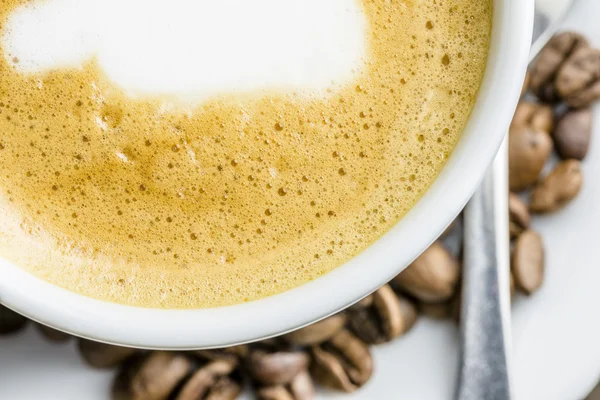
(485, 316)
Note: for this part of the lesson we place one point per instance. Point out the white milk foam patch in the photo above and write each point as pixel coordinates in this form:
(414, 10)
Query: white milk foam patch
(195, 48)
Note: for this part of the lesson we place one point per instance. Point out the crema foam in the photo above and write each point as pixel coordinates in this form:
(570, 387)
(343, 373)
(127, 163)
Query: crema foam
(185, 154)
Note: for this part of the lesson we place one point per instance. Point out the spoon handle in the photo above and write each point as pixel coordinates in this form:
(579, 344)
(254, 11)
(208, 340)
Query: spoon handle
(485, 314)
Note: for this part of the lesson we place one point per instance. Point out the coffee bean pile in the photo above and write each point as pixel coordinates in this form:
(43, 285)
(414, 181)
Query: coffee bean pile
(554, 114)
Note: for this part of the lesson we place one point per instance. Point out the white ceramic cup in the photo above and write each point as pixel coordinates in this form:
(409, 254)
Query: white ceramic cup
(218, 327)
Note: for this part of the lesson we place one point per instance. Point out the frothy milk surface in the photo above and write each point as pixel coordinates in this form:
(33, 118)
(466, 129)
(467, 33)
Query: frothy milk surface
(195, 49)
(190, 154)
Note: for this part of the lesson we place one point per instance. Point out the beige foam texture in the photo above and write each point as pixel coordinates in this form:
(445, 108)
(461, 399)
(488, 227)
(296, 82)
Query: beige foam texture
(143, 203)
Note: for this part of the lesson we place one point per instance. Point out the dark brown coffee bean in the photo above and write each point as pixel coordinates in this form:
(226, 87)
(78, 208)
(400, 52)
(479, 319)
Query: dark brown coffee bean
(276, 368)
(389, 317)
(241, 350)
(365, 324)
(528, 262)
(225, 389)
(274, 393)
(208, 381)
(364, 303)
(528, 151)
(318, 332)
(436, 311)
(10, 321)
(152, 377)
(542, 119)
(229, 354)
(560, 187)
(519, 217)
(538, 117)
(572, 134)
(301, 388)
(431, 278)
(102, 355)
(197, 386)
(343, 363)
(586, 97)
(456, 307)
(549, 62)
(578, 81)
(52, 334)
(272, 345)
(120, 387)
(409, 315)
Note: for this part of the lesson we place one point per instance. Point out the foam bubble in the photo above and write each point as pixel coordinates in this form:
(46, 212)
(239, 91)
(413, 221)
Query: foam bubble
(195, 48)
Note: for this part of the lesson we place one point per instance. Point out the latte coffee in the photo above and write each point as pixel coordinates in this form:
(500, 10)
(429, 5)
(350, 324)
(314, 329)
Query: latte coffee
(278, 166)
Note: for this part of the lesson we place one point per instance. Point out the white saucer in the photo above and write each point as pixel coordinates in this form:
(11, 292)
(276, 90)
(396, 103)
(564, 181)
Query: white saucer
(556, 333)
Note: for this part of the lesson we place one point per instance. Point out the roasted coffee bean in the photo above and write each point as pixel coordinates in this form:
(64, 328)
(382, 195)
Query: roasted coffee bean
(389, 317)
(343, 363)
(538, 117)
(151, 377)
(318, 332)
(276, 368)
(10, 321)
(436, 311)
(431, 278)
(211, 381)
(560, 187)
(578, 81)
(528, 262)
(274, 393)
(366, 326)
(239, 351)
(395, 322)
(271, 345)
(301, 388)
(549, 62)
(572, 134)
(528, 151)
(456, 307)
(52, 334)
(519, 217)
(120, 389)
(225, 389)
(229, 354)
(102, 355)
(364, 303)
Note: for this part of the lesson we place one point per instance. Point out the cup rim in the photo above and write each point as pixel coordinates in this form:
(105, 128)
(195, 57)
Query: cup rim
(326, 295)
